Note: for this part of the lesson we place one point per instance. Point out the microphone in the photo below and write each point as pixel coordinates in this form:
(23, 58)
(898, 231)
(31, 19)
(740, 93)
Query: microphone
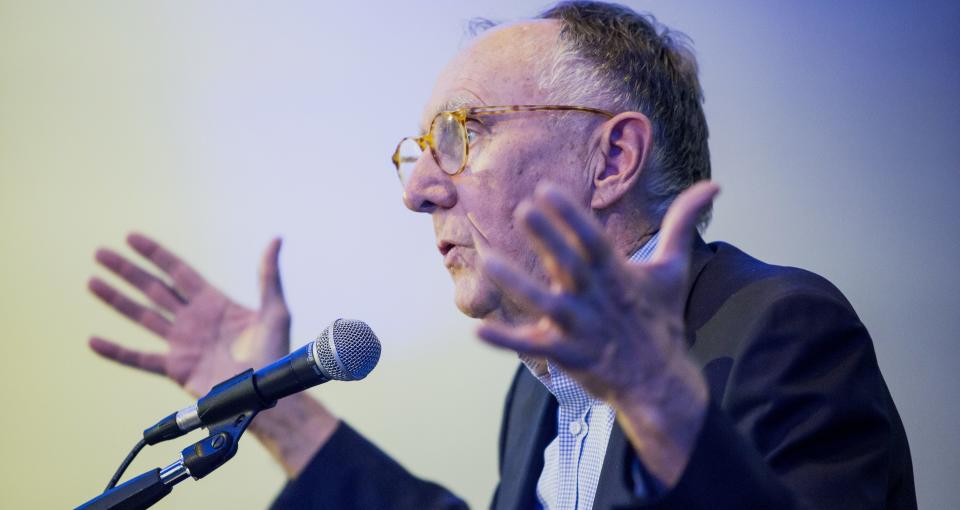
(347, 350)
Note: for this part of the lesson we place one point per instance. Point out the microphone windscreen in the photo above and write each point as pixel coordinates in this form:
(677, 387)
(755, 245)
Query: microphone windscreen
(347, 350)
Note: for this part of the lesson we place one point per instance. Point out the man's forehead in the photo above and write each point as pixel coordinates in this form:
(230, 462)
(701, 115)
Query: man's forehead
(498, 67)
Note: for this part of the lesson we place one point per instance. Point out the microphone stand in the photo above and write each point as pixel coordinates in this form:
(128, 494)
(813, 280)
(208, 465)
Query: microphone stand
(197, 461)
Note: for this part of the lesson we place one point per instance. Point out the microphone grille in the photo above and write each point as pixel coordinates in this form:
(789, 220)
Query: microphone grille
(347, 350)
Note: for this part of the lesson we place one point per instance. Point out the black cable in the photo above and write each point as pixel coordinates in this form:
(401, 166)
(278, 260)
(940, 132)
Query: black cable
(126, 462)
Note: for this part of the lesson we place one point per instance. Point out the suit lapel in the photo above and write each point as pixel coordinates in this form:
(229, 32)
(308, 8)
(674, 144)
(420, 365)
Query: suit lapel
(613, 489)
(532, 425)
(698, 260)
(702, 254)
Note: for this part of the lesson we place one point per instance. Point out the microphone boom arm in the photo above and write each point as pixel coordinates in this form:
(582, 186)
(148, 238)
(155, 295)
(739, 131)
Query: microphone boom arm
(196, 461)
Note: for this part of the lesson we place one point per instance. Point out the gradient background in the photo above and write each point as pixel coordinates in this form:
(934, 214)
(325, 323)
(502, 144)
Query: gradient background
(216, 125)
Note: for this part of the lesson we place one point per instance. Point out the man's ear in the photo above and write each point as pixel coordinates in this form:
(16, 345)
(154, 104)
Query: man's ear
(625, 145)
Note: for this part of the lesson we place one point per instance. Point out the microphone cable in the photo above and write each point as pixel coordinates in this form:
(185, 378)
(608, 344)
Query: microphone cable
(126, 463)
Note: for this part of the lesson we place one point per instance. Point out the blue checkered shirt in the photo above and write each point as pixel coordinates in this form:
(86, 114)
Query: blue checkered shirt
(572, 461)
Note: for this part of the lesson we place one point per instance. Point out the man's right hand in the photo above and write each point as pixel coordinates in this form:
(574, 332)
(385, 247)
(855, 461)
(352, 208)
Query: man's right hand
(210, 338)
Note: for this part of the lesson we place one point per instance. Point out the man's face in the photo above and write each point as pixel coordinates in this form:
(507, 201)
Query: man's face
(509, 155)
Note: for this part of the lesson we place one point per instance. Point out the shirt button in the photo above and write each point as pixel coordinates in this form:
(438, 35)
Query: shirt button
(574, 428)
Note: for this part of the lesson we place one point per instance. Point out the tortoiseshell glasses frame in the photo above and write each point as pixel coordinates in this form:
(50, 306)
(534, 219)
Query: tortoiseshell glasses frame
(451, 150)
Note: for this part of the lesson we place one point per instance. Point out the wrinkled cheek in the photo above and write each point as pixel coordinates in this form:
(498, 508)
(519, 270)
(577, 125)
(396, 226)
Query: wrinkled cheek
(490, 207)
(501, 178)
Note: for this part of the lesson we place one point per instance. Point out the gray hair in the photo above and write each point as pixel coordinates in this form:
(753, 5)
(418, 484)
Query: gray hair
(616, 58)
(611, 57)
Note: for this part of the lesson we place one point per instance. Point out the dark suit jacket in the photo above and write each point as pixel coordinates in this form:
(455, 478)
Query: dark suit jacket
(799, 415)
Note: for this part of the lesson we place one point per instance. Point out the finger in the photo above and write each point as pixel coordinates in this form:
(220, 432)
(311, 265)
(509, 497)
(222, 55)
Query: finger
(154, 288)
(582, 225)
(523, 289)
(134, 311)
(150, 362)
(679, 225)
(526, 340)
(185, 278)
(564, 261)
(271, 289)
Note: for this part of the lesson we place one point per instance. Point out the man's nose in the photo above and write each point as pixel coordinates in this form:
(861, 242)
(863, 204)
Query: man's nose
(429, 187)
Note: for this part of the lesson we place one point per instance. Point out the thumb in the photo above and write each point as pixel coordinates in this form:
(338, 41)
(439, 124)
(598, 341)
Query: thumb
(680, 222)
(271, 290)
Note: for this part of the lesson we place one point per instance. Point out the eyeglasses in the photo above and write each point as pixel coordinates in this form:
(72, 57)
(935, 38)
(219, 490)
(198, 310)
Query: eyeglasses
(449, 139)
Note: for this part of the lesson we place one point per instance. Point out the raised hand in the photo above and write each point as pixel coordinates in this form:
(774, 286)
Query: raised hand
(616, 327)
(209, 336)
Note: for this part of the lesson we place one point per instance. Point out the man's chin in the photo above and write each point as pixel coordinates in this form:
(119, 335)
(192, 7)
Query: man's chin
(475, 299)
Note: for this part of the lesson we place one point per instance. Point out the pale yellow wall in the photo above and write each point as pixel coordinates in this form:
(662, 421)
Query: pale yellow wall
(215, 125)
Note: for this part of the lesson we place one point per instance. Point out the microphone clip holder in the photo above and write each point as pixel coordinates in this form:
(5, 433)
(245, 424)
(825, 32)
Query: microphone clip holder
(196, 461)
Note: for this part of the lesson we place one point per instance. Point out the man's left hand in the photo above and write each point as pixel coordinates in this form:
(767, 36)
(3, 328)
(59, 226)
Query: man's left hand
(616, 327)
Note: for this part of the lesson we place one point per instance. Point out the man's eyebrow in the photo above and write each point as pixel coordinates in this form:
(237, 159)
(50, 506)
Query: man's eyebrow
(454, 103)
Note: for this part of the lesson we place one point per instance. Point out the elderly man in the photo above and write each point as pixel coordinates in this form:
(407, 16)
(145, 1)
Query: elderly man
(563, 161)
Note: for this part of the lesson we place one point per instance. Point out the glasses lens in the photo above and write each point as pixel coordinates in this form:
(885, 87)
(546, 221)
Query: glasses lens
(449, 140)
(407, 156)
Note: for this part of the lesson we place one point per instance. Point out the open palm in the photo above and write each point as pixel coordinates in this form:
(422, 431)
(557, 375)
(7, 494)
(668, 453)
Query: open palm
(209, 336)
